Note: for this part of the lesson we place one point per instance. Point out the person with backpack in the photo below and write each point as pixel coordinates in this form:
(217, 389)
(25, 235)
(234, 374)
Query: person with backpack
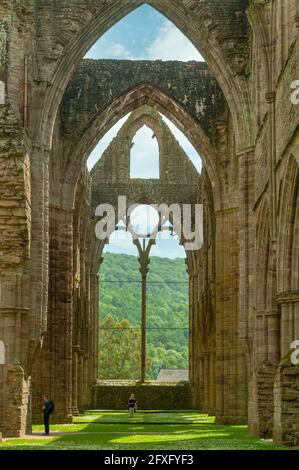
(48, 409)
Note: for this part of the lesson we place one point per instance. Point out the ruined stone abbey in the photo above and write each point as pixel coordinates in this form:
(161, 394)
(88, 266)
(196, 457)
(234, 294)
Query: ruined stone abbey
(240, 110)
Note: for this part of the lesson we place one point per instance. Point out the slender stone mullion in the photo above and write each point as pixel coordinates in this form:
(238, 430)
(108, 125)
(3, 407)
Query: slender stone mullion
(143, 327)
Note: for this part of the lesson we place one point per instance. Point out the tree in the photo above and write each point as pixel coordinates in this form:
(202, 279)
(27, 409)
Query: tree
(167, 316)
(119, 350)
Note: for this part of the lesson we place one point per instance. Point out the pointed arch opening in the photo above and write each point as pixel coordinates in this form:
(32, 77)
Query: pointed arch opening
(2, 92)
(161, 39)
(145, 155)
(86, 149)
(143, 304)
(2, 353)
(105, 18)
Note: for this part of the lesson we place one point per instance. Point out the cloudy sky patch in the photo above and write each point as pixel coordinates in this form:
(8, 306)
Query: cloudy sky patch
(144, 34)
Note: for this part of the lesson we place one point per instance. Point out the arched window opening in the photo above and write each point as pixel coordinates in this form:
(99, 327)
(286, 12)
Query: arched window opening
(2, 92)
(2, 353)
(156, 340)
(160, 39)
(143, 34)
(168, 311)
(144, 219)
(144, 304)
(145, 158)
(119, 307)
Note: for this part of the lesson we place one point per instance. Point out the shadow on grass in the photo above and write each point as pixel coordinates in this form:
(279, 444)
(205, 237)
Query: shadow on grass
(147, 431)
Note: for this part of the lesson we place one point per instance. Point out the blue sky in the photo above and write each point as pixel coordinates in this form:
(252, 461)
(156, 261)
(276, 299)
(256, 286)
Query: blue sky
(145, 34)
(145, 161)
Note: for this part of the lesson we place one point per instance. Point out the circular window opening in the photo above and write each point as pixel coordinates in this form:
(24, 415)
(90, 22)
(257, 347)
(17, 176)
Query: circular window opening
(144, 220)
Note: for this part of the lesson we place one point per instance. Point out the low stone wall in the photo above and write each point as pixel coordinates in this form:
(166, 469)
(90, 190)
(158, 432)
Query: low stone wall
(150, 396)
(286, 400)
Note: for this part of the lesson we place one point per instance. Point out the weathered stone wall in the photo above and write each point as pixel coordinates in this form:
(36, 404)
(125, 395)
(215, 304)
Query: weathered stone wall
(178, 180)
(101, 92)
(15, 226)
(63, 369)
(272, 323)
(149, 396)
(97, 83)
(286, 397)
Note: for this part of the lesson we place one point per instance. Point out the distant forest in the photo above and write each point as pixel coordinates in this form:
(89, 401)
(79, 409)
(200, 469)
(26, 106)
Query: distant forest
(120, 317)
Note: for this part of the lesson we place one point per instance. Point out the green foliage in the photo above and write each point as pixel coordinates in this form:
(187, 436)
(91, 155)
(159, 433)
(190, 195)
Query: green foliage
(119, 351)
(167, 316)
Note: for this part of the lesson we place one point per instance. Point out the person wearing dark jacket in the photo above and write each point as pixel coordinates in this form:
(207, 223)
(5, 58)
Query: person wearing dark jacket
(48, 409)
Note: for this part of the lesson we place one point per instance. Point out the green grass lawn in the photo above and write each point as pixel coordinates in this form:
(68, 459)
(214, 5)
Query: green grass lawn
(147, 430)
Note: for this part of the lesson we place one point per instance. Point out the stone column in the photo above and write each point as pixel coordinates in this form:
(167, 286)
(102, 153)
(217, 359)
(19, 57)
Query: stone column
(206, 369)
(15, 401)
(94, 310)
(246, 272)
(144, 271)
(144, 260)
(80, 382)
(212, 391)
(75, 411)
(201, 379)
(194, 339)
(193, 331)
(19, 325)
(266, 360)
(230, 372)
(192, 310)
(85, 382)
(53, 372)
(39, 263)
(14, 380)
(289, 320)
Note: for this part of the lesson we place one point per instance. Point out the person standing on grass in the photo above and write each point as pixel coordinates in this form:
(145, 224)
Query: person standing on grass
(135, 409)
(48, 409)
(132, 405)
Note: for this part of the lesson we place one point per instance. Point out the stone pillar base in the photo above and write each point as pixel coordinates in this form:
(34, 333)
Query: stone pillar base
(61, 420)
(54, 419)
(253, 428)
(75, 411)
(286, 400)
(234, 420)
(16, 402)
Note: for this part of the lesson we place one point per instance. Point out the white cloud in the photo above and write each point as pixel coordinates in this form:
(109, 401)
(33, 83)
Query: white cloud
(112, 51)
(168, 247)
(144, 219)
(119, 51)
(171, 44)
